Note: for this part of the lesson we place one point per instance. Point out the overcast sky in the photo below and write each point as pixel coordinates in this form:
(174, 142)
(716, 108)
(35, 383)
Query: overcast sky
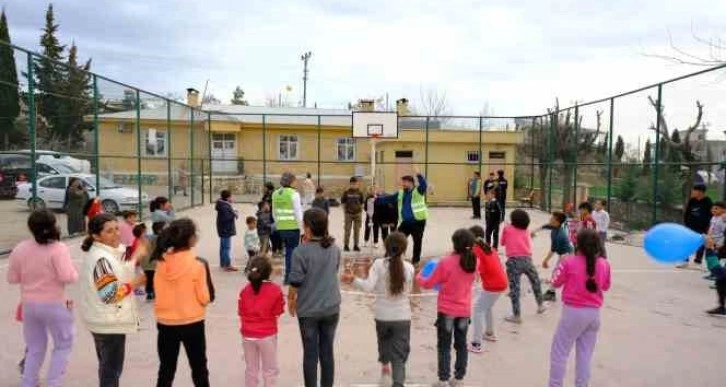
(515, 55)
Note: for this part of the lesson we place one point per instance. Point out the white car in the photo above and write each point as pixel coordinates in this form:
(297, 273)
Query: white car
(52, 192)
(57, 158)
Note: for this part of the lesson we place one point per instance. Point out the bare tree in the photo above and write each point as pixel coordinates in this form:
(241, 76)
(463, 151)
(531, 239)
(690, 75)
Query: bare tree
(433, 103)
(714, 51)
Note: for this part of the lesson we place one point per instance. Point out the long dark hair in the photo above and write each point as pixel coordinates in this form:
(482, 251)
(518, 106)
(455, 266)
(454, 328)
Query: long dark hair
(589, 245)
(43, 226)
(479, 235)
(463, 241)
(178, 236)
(317, 220)
(259, 271)
(95, 227)
(157, 203)
(396, 244)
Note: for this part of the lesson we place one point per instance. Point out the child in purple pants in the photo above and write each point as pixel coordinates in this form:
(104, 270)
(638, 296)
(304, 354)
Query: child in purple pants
(584, 278)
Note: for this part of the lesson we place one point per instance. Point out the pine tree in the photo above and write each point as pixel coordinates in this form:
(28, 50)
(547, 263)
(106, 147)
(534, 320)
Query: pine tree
(9, 99)
(76, 103)
(49, 74)
(238, 97)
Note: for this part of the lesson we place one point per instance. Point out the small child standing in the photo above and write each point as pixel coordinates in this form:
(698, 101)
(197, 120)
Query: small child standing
(518, 249)
(584, 222)
(259, 306)
(252, 240)
(584, 278)
(139, 233)
(264, 226)
(455, 275)
(125, 228)
(226, 229)
(494, 283)
(391, 279)
(559, 244)
(493, 217)
(321, 201)
(147, 264)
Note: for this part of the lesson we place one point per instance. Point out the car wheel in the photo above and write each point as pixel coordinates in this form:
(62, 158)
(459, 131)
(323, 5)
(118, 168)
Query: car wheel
(36, 204)
(110, 206)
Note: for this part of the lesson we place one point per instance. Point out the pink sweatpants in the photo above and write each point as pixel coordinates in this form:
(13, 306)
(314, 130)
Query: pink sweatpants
(261, 353)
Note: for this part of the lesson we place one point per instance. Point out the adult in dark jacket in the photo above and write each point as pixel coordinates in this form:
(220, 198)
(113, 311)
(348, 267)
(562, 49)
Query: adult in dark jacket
(226, 229)
(697, 217)
(385, 218)
(501, 190)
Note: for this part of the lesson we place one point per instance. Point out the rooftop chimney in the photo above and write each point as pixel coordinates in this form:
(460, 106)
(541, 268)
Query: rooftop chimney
(192, 97)
(366, 105)
(402, 107)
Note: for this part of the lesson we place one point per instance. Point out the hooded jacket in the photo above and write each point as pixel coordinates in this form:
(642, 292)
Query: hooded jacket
(226, 218)
(181, 289)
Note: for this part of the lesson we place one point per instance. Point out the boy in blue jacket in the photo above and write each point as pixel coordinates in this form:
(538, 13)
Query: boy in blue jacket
(226, 229)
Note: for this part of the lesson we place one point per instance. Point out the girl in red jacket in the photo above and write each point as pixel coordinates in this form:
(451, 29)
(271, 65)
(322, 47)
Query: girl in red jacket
(493, 282)
(260, 305)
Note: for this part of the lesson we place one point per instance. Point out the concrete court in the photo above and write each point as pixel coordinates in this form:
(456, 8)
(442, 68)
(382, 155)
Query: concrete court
(654, 331)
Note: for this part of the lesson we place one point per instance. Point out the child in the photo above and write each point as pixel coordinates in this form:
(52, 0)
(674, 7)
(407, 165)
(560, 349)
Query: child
(391, 279)
(147, 264)
(718, 273)
(369, 209)
(493, 216)
(252, 240)
(455, 275)
(518, 244)
(559, 244)
(321, 201)
(602, 220)
(314, 297)
(126, 227)
(139, 233)
(584, 222)
(264, 226)
(493, 282)
(585, 277)
(226, 229)
(259, 306)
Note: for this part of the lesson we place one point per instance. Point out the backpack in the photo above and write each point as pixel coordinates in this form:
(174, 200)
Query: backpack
(210, 284)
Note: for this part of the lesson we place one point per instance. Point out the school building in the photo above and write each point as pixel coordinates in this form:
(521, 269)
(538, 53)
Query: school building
(248, 144)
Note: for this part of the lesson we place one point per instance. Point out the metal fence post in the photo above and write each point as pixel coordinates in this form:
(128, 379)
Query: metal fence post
(138, 151)
(481, 156)
(610, 149)
(209, 145)
(659, 115)
(264, 150)
(550, 157)
(169, 177)
(531, 139)
(426, 150)
(33, 133)
(577, 150)
(96, 136)
(191, 154)
(319, 133)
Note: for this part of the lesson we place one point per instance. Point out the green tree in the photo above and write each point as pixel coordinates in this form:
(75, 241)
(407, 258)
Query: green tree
(9, 99)
(626, 188)
(49, 74)
(647, 158)
(77, 102)
(619, 149)
(238, 97)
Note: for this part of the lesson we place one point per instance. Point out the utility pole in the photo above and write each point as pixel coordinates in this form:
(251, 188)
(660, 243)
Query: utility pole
(305, 58)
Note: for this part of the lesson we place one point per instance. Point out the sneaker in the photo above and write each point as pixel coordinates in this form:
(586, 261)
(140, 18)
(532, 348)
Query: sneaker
(682, 266)
(541, 309)
(346, 249)
(230, 269)
(513, 319)
(475, 348)
(491, 337)
(717, 312)
(356, 248)
(550, 295)
(456, 383)
(150, 297)
(375, 245)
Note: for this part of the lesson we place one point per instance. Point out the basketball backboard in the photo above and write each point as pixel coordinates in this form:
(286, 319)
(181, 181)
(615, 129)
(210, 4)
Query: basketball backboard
(375, 124)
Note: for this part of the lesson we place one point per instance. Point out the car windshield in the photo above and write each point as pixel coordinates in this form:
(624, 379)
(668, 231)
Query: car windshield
(105, 183)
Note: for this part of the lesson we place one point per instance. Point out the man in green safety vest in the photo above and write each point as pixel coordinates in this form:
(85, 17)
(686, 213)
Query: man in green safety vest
(287, 214)
(412, 210)
(474, 194)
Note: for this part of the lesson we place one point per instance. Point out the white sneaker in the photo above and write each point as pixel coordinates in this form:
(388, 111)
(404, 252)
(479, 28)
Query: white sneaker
(375, 245)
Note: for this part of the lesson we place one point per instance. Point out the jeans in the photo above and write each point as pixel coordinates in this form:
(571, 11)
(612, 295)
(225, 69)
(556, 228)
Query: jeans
(352, 221)
(261, 352)
(446, 326)
(603, 238)
(476, 207)
(195, 345)
(579, 327)
(492, 234)
(516, 266)
(318, 336)
(40, 319)
(290, 240)
(394, 345)
(416, 230)
(225, 246)
(483, 314)
(110, 350)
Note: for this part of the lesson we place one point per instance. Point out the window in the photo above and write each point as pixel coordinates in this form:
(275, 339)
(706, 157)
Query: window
(223, 141)
(53, 182)
(346, 149)
(288, 148)
(404, 154)
(472, 156)
(154, 143)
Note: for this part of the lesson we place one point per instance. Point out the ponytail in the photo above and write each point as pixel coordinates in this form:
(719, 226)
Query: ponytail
(87, 243)
(589, 245)
(479, 239)
(396, 244)
(463, 241)
(317, 221)
(259, 271)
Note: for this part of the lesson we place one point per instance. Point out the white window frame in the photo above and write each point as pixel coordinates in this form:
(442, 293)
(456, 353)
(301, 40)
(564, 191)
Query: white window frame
(349, 143)
(289, 139)
(474, 152)
(145, 141)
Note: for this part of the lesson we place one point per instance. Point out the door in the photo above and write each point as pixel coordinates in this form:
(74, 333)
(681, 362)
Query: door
(404, 164)
(53, 191)
(224, 153)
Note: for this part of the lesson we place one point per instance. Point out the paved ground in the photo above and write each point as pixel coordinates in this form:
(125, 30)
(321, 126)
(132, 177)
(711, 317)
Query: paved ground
(654, 332)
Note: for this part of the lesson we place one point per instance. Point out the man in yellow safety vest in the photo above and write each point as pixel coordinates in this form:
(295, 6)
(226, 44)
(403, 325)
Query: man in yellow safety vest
(287, 214)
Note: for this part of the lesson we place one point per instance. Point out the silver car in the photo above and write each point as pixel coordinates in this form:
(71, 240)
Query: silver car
(52, 192)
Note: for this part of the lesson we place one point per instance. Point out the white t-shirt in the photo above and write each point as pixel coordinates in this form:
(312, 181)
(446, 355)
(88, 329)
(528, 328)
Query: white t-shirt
(602, 220)
(718, 226)
(387, 307)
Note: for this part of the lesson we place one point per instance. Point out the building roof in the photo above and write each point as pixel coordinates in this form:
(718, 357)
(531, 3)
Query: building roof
(282, 115)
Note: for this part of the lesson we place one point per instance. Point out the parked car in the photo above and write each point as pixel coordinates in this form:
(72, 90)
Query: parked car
(16, 168)
(52, 190)
(55, 158)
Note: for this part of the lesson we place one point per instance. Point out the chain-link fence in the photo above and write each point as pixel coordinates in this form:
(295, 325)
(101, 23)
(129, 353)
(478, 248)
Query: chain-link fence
(640, 151)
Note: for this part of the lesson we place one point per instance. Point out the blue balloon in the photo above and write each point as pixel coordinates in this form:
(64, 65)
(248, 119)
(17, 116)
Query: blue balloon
(429, 268)
(671, 243)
